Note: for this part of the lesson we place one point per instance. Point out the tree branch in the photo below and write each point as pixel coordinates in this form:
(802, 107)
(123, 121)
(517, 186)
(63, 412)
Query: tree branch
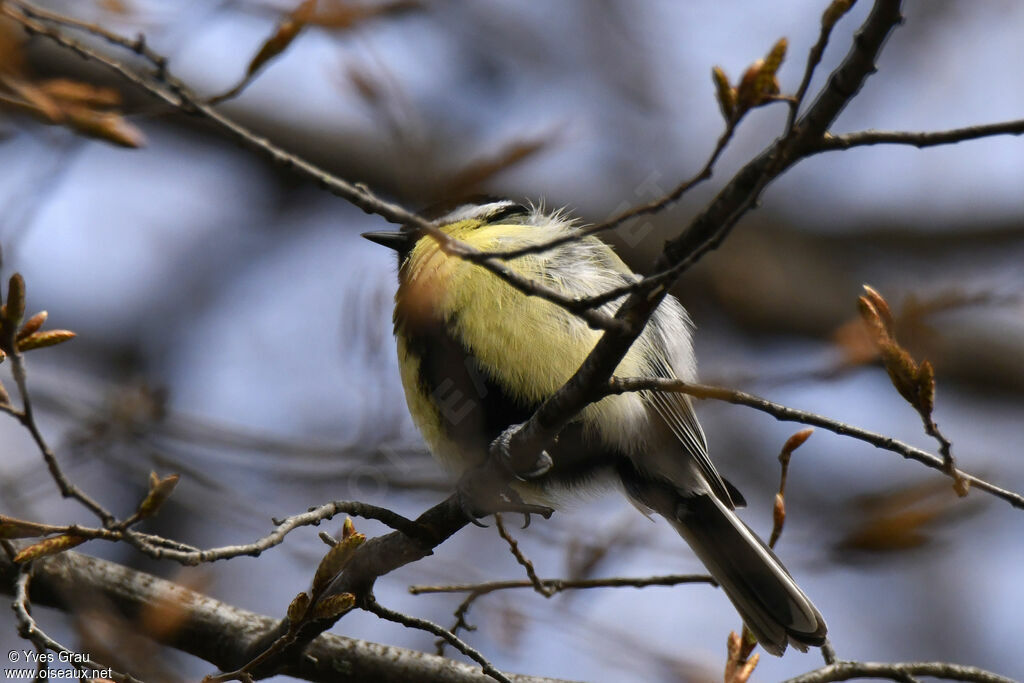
(898, 671)
(618, 385)
(220, 633)
(919, 139)
(704, 233)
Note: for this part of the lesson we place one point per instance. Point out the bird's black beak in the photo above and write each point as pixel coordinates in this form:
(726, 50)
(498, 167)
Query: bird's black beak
(400, 240)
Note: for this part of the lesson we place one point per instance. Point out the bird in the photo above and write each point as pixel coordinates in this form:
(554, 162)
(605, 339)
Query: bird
(477, 355)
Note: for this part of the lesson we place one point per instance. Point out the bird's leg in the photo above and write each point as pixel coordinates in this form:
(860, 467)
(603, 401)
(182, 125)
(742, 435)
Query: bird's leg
(501, 450)
(482, 491)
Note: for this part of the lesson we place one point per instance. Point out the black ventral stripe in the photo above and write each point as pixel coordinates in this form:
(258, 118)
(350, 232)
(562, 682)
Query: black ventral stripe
(475, 409)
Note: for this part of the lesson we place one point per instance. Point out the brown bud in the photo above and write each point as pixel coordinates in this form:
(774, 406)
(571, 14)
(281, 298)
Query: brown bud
(104, 125)
(41, 340)
(348, 528)
(283, 35)
(797, 440)
(298, 607)
(925, 388)
(869, 314)
(725, 93)
(15, 307)
(32, 325)
(159, 491)
(882, 307)
(49, 546)
(335, 560)
(779, 511)
(333, 606)
(902, 370)
(747, 95)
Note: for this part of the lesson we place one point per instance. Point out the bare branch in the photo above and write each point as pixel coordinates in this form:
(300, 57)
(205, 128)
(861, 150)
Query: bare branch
(559, 585)
(706, 232)
(29, 629)
(523, 560)
(828, 21)
(374, 607)
(919, 139)
(174, 92)
(901, 671)
(783, 413)
(202, 632)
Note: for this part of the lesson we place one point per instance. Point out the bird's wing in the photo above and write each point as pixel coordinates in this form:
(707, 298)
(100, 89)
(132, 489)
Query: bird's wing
(677, 412)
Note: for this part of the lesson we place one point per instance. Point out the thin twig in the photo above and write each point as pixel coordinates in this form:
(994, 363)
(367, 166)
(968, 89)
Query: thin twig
(29, 630)
(898, 671)
(523, 560)
(27, 418)
(173, 91)
(618, 385)
(372, 606)
(521, 444)
(311, 518)
(653, 207)
(919, 139)
(460, 614)
(813, 60)
(559, 585)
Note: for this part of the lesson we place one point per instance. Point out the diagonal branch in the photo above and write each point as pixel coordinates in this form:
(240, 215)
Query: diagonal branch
(919, 139)
(705, 233)
(898, 671)
(221, 633)
(783, 413)
(162, 84)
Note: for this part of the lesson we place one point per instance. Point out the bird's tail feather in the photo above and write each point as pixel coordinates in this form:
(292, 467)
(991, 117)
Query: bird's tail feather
(771, 604)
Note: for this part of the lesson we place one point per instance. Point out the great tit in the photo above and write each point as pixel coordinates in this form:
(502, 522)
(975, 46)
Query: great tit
(477, 355)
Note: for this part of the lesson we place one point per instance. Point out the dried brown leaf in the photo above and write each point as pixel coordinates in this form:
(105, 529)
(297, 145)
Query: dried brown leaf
(478, 172)
(901, 519)
(169, 610)
(12, 50)
(283, 36)
(344, 14)
(69, 91)
(33, 100)
(104, 125)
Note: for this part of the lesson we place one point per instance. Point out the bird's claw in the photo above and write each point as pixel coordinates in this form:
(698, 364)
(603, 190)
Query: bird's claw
(501, 448)
(507, 500)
